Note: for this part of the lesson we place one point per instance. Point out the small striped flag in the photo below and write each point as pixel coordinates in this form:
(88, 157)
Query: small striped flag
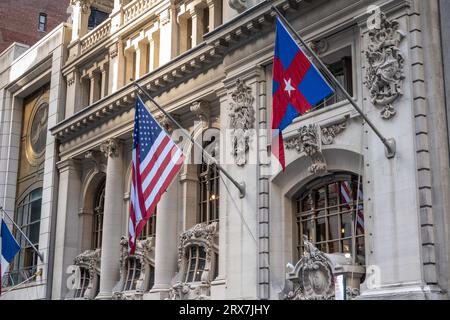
(156, 159)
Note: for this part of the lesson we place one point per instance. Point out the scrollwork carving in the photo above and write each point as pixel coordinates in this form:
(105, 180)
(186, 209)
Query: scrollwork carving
(330, 132)
(385, 74)
(312, 275)
(242, 121)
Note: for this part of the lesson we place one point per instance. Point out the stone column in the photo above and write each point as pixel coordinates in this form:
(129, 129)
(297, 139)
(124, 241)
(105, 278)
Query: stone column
(112, 219)
(141, 59)
(94, 88)
(104, 80)
(116, 72)
(130, 64)
(197, 27)
(166, 245)
(168, 47)
(215, 14)
(66, 236)
(81, 9)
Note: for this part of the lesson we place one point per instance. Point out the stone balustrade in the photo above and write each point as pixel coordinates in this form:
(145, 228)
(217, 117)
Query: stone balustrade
(136, 8)
(96, 35)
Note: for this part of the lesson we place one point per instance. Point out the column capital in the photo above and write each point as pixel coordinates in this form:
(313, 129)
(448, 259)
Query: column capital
(68, 164)
(84, 4)
(110, 148)
(201, 110)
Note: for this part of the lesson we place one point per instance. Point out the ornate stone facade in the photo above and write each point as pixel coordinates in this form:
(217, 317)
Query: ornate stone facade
(145, 255)
(89, 261)
(384, 75)
(203, 235)
(242, 121)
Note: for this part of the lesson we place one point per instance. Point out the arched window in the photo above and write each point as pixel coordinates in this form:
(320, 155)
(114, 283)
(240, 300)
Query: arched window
(29, 220)
(331, 214)
(84, 283)
(134, 269)
(196, 261)
(99, 205)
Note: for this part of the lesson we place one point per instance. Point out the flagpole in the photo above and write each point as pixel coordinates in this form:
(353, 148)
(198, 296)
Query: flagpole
(23, 234)
(389, 143)
(240, 186)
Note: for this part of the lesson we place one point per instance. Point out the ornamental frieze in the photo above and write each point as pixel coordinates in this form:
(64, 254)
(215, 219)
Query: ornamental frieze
(384, 75)
(242, 121)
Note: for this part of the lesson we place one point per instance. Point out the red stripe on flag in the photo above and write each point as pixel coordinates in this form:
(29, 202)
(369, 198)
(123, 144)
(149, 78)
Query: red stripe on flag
(159, 172)
(155, 156)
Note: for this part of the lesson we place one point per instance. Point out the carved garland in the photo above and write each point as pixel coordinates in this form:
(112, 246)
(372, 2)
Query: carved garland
(242, 120)
(384, 77)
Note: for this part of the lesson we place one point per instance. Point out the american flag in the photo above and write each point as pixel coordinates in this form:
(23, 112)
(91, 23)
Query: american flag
(156, 159)
(346, 193)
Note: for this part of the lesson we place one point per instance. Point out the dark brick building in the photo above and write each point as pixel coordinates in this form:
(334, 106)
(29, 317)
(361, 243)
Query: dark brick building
(27, 21)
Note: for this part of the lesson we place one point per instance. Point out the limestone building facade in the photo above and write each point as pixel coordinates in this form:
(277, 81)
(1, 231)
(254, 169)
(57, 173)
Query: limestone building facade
(67, 111)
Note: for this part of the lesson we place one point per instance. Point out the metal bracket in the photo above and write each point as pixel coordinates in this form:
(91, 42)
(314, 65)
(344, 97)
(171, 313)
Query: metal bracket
(391, 148)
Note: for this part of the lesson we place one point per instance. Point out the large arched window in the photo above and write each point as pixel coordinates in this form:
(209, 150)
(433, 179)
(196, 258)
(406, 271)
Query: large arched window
(28, 219)
(330, 213)
(97, 226)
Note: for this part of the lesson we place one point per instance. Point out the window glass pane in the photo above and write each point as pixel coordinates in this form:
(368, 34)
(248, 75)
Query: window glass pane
(308, 228)
(347, 246)
(333, 247)
(333, 227)
(35, 211)
(320, 230)
(320, 198)
(333, 194)
(34, 233)
(346, 225)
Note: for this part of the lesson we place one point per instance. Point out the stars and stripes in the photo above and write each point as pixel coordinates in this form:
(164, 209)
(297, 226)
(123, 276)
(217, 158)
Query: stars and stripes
(346, 193)
(156, 159)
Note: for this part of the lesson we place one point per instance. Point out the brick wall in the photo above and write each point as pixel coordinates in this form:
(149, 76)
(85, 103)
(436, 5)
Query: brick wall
(19, 19)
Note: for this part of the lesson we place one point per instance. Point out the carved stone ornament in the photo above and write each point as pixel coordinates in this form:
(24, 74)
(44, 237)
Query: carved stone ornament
(238, 5)
(203, 235)
(242, 121)
(84, 4)
(330, 132)
(201, 111)
(166, 123)
(110, 148)
(384, 77)
(308, 140)
(88, 264)
(312, 276)
(98, 160)
(145, 254)
(319, 46)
